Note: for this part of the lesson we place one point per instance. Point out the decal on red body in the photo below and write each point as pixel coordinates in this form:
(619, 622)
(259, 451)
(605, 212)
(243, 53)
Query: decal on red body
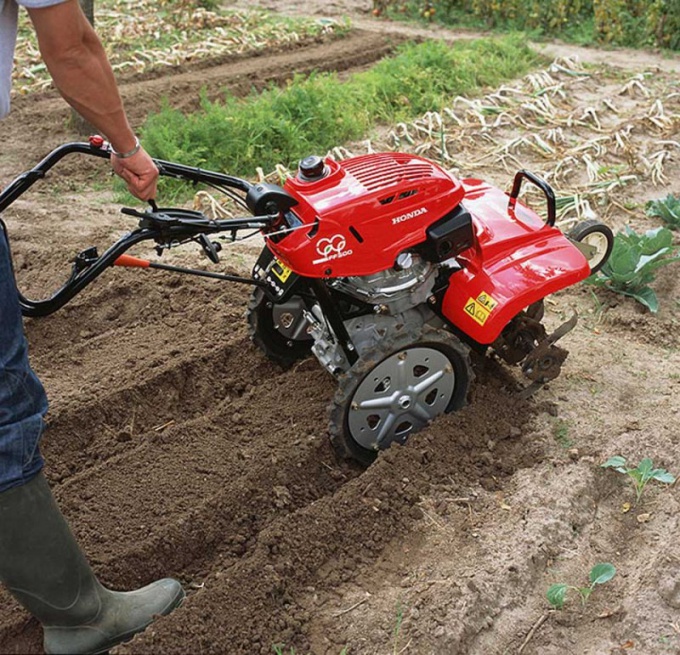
(331, 248)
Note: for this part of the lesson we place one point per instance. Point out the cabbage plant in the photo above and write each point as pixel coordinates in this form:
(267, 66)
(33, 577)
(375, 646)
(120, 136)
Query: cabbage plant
(667, 209)
(633, 263)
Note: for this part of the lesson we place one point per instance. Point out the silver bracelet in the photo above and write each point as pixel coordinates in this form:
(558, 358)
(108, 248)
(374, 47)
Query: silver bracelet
(129, 153)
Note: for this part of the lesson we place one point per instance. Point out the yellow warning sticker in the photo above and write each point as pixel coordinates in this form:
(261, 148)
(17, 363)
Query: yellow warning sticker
(480, 309)
(281, 270)
(477, 311)
(487, 301)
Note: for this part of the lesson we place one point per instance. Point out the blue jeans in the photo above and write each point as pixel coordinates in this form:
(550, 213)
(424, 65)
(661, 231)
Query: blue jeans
(23, 402)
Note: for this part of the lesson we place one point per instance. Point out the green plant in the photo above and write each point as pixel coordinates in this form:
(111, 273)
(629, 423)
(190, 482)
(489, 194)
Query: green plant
(663, 22)
(397, 628)
(667, 209)
(561, 434)
(314, 114)
(599, 574)
(279, 650)
(641, 475)
(634, 23)
(633, 263)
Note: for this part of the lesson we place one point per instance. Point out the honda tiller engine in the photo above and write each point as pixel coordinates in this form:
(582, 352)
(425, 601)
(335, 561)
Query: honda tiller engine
(386, 268)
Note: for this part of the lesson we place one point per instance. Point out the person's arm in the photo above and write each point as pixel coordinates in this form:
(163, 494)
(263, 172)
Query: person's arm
(81, 71)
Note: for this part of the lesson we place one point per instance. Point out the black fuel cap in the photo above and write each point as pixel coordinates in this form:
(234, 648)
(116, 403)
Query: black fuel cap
(312, 168)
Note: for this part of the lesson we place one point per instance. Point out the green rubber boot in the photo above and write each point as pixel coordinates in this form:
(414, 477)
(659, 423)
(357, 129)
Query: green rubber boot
(43, 567)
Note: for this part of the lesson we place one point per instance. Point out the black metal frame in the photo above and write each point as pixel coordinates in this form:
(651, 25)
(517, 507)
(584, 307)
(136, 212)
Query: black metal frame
(334, 318)
(164, 226)
(161, 226)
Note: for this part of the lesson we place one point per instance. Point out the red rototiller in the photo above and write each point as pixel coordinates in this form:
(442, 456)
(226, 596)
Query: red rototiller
(385, 267)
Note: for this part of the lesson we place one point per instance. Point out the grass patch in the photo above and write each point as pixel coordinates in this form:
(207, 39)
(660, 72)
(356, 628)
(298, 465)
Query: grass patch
(561, 433)
(314, 114)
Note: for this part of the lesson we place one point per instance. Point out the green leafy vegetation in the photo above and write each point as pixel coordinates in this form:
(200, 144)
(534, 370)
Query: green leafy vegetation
(667, 209)
(632, 23)
(641, 475)
(633, 264)
(312, 115)
(599, 574)
(397, 630)
(561, 433)
(280, 649)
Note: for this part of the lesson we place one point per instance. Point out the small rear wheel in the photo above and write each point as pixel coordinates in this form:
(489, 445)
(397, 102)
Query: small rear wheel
(396, 390)
(279, 329)
(597, 242)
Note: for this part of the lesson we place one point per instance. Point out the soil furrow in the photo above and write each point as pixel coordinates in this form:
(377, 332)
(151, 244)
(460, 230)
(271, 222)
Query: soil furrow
(176, 448)
(330, 542)
(234, 485)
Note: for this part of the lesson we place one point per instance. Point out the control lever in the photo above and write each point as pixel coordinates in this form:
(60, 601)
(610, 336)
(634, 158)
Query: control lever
(210, 248)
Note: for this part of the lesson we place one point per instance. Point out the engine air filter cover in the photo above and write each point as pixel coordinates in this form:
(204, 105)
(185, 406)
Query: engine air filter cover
(449, 236)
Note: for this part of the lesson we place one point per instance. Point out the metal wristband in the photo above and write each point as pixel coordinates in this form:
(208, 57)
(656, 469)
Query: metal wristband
(129, 153)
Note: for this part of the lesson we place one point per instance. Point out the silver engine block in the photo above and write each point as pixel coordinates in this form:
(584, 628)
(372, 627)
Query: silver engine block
(399, 297)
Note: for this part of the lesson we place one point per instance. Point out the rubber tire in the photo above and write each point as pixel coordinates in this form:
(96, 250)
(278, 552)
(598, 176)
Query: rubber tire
(267, 338)
(344, 444)
(592, 226)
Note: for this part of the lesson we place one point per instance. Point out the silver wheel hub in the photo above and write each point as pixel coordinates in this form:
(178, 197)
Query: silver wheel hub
(405, 402)
(401, 395)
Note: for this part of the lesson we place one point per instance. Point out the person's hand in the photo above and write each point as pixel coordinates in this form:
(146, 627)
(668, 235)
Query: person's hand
(139, 172)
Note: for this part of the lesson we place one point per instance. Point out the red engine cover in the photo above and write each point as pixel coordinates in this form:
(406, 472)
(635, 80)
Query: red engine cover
(363, 213)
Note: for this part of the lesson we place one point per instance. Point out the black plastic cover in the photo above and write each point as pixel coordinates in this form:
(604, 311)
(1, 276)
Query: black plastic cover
(311, 168)
(265, 198)
(449, 236)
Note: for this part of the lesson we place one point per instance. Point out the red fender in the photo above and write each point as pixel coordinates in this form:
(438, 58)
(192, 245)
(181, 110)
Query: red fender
(516, 261)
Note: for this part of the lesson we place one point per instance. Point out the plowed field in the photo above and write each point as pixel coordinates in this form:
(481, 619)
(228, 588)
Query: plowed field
(175, 448)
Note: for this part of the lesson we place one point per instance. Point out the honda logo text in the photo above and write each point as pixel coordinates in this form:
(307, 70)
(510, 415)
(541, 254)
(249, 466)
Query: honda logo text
(410, 215)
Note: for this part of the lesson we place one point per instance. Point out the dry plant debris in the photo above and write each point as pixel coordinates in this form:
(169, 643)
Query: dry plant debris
(594, 137)
(588, 152)
(140, 36)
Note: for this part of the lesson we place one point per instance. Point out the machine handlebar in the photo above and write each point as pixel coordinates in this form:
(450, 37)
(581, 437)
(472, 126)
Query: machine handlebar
(542, 185)
(164, 226)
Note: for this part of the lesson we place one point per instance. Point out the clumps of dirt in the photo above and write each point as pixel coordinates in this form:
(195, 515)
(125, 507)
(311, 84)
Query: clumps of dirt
(329, 543)
(175, 448)
(614, 312)
(164, 399)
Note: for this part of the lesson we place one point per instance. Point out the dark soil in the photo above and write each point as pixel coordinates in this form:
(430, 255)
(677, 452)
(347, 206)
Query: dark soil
(175, 448)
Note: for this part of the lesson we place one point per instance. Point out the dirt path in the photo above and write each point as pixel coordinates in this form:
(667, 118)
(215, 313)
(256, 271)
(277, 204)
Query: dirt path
(360, 13)
(175, 448)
